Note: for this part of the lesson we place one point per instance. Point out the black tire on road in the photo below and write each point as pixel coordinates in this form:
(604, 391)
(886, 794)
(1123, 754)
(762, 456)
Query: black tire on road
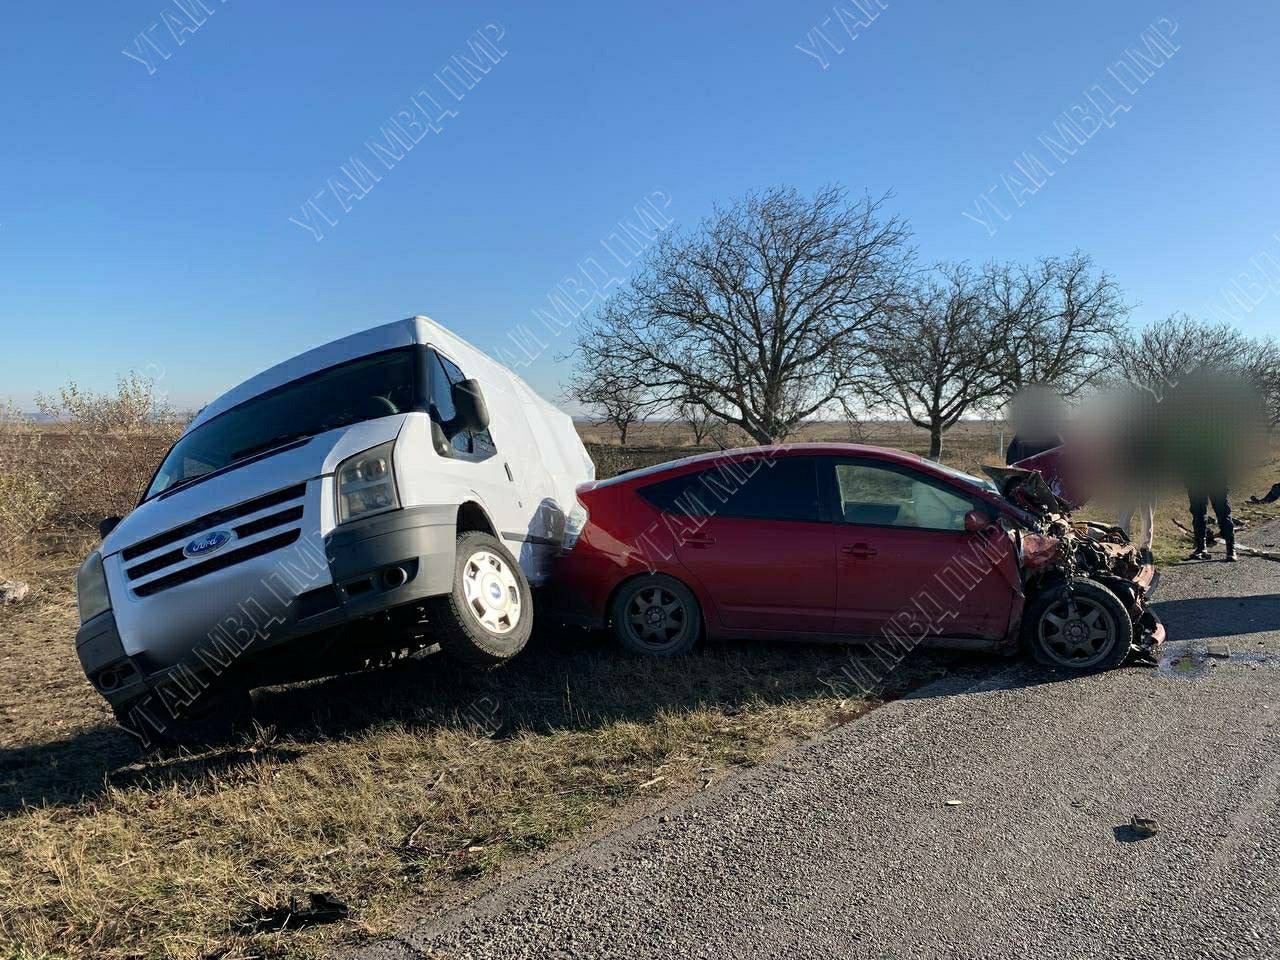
(488, 615)
(657, 616)
(1078, 625)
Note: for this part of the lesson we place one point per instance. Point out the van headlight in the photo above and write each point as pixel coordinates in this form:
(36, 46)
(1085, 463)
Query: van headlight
(366, 484)
(91, 588)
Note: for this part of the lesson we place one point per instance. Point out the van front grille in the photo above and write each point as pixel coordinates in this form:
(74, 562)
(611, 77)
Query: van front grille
(175, 567)
(211, 520)
(185, 575)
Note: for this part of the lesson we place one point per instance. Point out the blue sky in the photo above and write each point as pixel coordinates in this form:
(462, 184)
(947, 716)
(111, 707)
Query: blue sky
(145, 216)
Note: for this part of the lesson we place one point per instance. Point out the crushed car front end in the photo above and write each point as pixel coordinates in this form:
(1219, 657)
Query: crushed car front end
(1088, 588)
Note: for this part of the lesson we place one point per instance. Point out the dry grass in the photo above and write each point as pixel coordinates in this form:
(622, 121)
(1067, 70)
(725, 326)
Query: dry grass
(376, 787)
(407, 783)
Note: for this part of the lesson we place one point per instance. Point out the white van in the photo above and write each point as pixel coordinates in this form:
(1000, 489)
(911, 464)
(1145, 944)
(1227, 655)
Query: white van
(382, 493)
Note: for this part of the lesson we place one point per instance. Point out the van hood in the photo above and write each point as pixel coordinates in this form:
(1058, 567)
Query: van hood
(316, 457)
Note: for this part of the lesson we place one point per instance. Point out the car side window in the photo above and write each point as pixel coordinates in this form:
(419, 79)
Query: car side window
(880, 496)
(444, 374)
(783, 488)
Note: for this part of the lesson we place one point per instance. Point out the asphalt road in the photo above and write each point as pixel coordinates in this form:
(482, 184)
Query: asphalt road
(846, 847)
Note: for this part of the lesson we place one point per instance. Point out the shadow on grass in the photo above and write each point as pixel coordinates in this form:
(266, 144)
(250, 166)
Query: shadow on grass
(567, 680)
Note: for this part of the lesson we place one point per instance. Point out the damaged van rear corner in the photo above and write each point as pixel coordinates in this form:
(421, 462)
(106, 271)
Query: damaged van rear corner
(374, 496)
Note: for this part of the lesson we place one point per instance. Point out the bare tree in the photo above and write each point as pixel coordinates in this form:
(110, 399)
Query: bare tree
(1159, 355)
(939, 354)
(1261, 365)
(615, 395)
(1059, 317)
(757, 313)
(698, 418)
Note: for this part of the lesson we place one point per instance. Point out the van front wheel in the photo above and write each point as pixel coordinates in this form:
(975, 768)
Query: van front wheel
(488, 615)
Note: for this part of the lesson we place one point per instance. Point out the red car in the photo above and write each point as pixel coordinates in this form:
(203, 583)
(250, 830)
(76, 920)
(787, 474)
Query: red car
(846, 542)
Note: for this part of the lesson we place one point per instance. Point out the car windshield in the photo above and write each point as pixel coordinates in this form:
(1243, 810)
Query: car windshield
(364, 389)
(963, 477)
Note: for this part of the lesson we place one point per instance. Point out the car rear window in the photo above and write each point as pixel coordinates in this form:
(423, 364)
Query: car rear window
(782, 488)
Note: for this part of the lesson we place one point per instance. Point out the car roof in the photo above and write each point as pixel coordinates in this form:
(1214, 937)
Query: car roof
(828, 449)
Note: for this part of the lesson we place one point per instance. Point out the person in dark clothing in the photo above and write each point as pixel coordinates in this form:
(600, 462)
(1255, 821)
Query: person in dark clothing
(1218, 495)
(1037, 417)
(1213, 426)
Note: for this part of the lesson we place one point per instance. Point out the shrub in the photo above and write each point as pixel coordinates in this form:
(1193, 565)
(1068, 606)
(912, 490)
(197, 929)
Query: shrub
(96, 459)
(25, 503)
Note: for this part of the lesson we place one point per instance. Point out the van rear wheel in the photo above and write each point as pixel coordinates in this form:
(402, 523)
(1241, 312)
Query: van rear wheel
(488, 615)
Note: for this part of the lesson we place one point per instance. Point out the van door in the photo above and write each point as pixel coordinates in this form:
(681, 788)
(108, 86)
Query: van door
(477, 457)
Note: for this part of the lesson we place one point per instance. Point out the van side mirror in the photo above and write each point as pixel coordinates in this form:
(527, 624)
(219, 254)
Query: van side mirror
(975, 521)
(106, 526)
(472, 413)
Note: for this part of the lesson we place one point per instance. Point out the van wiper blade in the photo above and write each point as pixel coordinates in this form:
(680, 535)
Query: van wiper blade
(234, 464)
(279, 440)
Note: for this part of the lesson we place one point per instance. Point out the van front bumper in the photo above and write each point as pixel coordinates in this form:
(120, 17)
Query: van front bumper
(376, 564)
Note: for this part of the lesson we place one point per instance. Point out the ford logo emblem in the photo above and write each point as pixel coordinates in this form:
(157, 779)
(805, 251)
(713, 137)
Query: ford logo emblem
(207, 543)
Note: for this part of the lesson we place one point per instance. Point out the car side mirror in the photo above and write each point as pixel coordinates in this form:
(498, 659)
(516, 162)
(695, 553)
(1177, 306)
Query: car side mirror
(106, 526)
(975, 521)
(471, 412)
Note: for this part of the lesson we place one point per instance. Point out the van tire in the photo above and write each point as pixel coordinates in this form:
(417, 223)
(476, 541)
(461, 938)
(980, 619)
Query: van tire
(488, 615)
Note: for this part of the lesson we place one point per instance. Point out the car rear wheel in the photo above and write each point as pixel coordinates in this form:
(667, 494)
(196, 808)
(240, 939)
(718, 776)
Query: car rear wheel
(488, 616)
(657, 616)
(1079, 625)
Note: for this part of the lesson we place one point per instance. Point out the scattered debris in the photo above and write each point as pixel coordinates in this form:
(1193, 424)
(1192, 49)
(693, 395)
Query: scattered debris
(1219, 649)
(954, 803)
(13, 591)
(1144, 827)
(323, 907)
(1272, 495)
(649, 783)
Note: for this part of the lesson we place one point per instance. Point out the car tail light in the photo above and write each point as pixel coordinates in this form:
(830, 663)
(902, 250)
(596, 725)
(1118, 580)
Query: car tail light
(574, 524)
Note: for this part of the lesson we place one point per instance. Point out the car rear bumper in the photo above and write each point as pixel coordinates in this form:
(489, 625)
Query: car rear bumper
(374, 565)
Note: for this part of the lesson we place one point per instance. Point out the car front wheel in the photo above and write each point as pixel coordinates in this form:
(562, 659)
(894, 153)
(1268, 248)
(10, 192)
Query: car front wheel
(1079, 625)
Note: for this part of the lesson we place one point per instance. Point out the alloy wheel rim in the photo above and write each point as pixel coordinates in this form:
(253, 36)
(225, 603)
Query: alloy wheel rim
(656, 617)
(491, 591)
(1078, 632)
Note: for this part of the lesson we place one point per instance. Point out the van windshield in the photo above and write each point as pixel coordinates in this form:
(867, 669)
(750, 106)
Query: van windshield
(366, 389)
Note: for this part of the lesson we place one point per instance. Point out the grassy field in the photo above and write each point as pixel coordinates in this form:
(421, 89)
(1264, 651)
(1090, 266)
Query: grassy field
(413, 783)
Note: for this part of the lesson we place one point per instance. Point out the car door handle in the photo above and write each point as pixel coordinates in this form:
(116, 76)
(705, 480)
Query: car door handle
(859, 551)
(698, 540)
